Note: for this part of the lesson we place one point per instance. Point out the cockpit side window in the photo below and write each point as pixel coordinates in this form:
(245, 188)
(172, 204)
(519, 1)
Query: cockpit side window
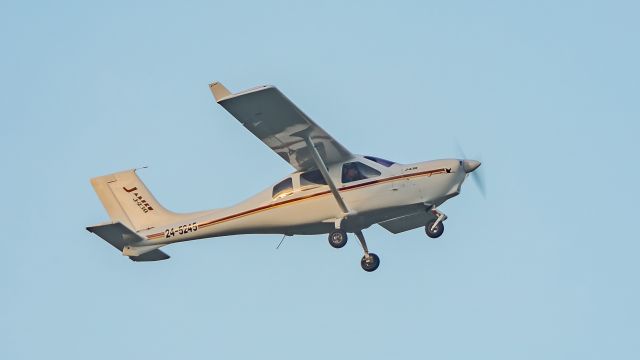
(283, 188)
(354, 171)
(312, 178)
(380, 161)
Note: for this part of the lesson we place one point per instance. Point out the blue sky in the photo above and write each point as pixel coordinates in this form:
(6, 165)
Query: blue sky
(545, 93)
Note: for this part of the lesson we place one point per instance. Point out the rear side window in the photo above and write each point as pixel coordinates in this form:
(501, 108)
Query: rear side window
(355, 171)
(311, 178)
(283, 188)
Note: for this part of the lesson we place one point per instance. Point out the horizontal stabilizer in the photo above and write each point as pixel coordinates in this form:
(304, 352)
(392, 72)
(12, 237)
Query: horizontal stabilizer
(154, 255)
(115, 234)
(120, 237)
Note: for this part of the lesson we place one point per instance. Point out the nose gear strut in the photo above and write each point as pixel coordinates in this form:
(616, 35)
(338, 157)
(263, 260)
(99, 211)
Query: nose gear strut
(434, 229)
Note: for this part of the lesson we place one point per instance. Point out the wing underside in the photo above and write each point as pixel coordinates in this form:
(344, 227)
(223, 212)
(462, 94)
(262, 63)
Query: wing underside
(277, 122)
(407, 222)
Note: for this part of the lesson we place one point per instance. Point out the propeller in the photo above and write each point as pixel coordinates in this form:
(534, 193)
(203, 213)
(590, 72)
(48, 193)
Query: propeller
(471, 167)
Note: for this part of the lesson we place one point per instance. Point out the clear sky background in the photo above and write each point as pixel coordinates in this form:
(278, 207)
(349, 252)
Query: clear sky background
(545, 93)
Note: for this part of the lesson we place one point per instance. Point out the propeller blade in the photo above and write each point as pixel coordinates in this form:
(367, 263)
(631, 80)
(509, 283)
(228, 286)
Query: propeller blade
(461, 153)
(479, 180)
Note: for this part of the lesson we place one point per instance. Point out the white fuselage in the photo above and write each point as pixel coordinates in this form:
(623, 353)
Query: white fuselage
(399, 190)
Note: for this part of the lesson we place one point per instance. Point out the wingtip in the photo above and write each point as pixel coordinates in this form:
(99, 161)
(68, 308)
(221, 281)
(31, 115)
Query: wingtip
(219, 91)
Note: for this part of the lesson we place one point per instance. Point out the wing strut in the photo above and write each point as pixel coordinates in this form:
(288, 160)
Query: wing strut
(325, 174)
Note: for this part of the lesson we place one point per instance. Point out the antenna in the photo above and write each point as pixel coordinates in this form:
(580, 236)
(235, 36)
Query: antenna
(283, 236)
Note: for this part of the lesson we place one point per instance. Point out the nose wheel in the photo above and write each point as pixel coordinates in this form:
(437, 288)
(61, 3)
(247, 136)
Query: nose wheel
(434, 230)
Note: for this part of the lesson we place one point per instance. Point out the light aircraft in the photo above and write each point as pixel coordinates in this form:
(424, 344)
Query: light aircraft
(332, 190)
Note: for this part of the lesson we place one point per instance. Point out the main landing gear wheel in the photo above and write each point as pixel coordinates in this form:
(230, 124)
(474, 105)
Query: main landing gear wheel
(338, 238)
(434, 232)
(370, 263)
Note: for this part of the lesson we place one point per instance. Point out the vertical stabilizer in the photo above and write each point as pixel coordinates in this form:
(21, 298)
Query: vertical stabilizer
(127, 200)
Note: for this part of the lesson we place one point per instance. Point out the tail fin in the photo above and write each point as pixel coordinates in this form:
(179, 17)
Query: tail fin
(127, 200)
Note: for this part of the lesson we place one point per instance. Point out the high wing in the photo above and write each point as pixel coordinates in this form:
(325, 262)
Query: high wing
(275, 120)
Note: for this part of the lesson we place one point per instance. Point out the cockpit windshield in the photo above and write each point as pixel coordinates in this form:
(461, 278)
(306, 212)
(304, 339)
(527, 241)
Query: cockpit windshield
(354, 171)
(380, 161)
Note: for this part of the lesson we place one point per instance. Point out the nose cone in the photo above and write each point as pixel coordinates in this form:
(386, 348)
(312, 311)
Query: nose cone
(470, 165)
